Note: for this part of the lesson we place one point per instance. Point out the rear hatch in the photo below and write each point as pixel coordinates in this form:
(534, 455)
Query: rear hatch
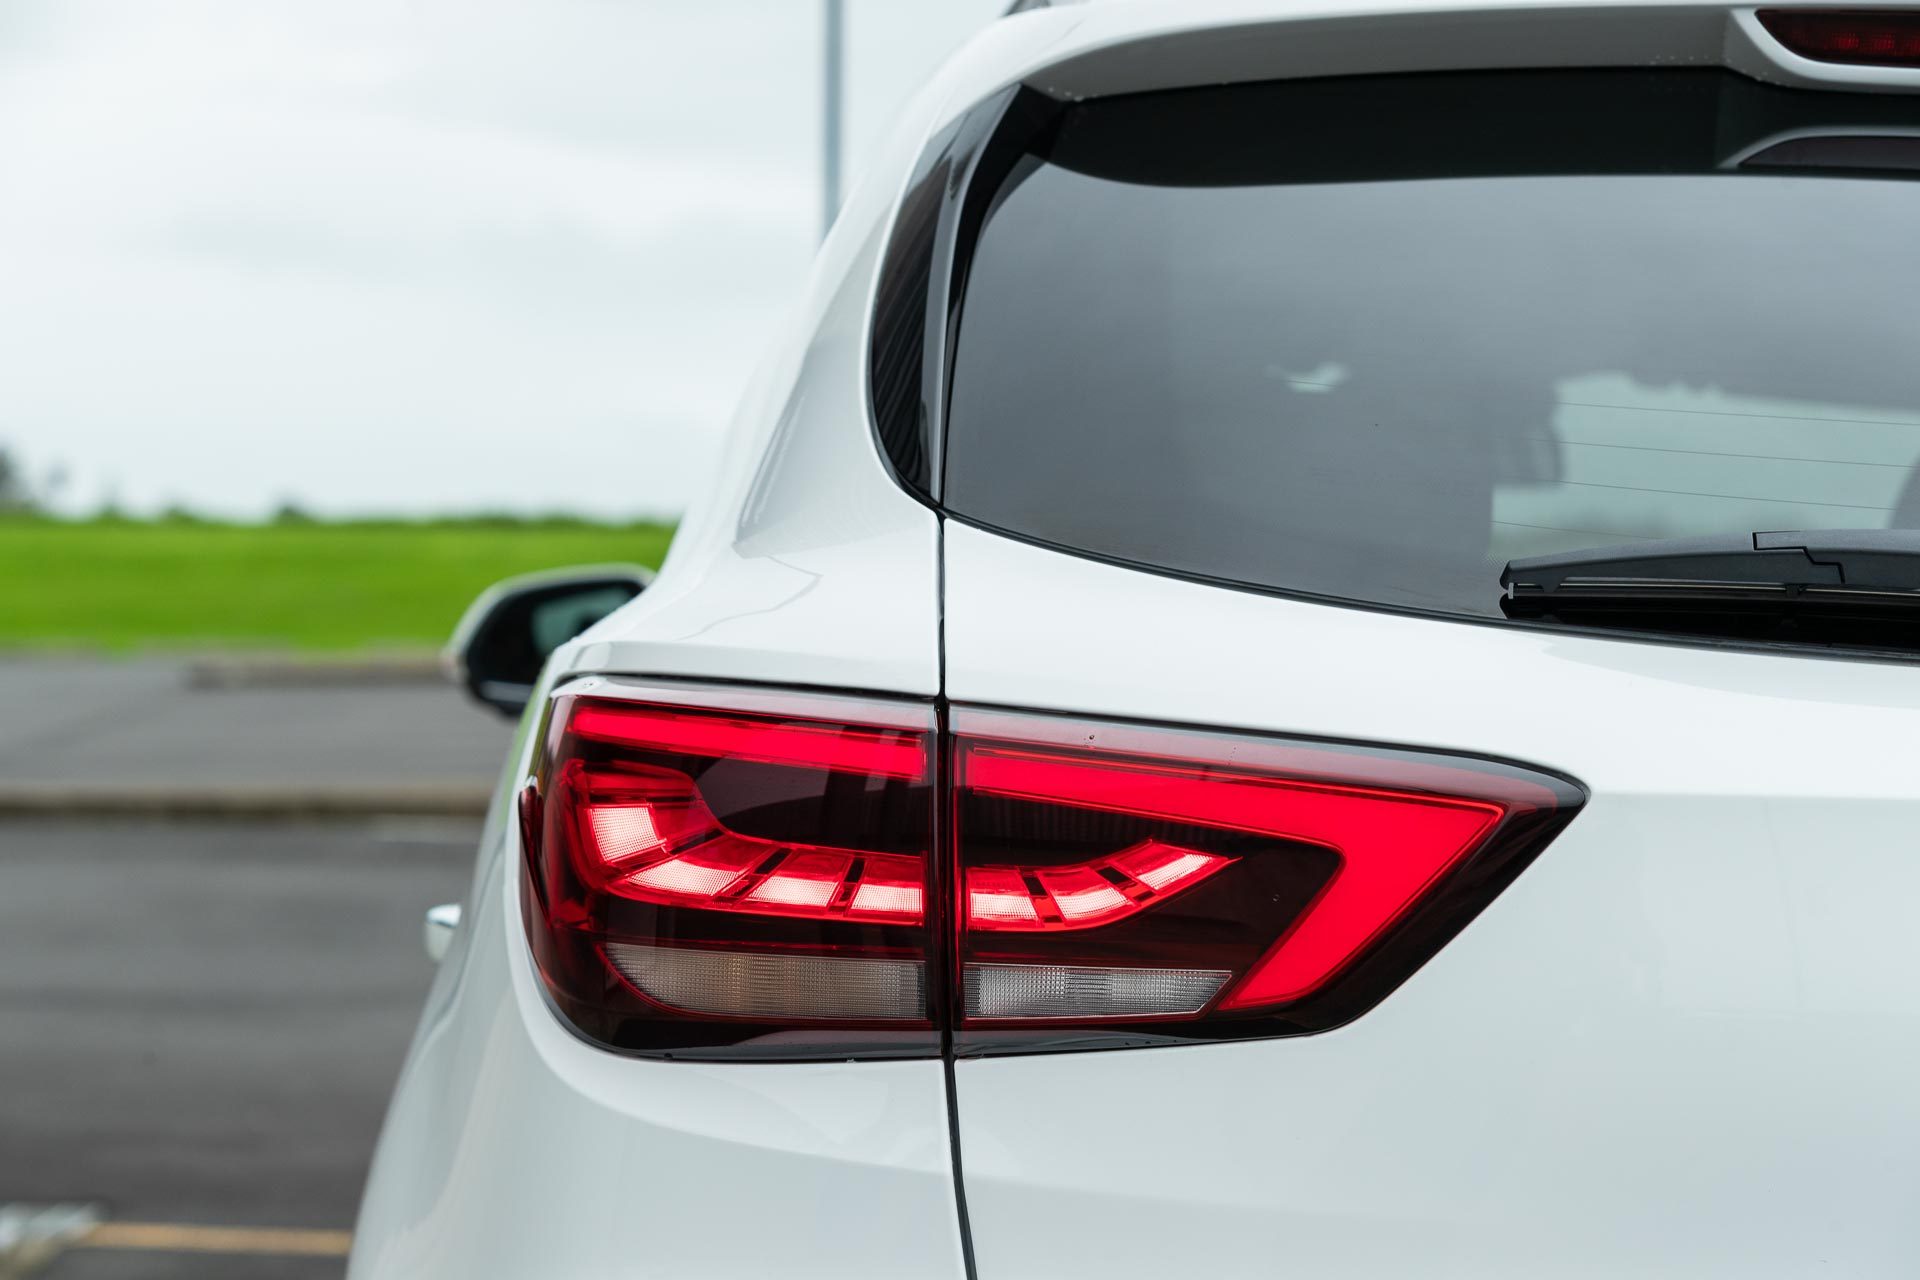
(1256, 392)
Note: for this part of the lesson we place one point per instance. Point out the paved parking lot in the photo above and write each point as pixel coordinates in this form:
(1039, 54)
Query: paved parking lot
(199, 1026)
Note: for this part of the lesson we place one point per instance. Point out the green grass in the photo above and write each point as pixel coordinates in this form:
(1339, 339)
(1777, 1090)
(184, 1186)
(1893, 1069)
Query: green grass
(113, 583)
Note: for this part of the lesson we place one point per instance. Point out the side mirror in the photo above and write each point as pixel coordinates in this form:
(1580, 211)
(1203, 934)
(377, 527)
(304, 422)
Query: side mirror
(505, 636)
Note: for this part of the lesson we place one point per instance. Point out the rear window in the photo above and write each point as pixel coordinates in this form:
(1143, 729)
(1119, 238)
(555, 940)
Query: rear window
(1371, 338)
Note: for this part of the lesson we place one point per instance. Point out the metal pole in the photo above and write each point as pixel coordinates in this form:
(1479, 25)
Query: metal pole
(831, 95)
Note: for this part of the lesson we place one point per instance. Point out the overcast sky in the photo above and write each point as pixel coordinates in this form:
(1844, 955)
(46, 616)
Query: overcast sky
(410, 257)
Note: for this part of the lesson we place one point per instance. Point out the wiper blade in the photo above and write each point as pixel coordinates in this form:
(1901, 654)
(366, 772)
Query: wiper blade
(1873, 572)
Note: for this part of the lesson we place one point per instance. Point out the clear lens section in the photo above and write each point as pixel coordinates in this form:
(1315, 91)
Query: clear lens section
(741, 984)
(1081, 991)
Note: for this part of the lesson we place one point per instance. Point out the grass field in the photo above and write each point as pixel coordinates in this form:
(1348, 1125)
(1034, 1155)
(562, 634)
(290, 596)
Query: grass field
(126, 584)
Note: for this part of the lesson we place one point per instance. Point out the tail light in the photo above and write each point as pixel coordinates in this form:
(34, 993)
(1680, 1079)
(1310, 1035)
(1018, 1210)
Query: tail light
(731, 876)
(749, 874)
(1131, 885)
(1872, 37)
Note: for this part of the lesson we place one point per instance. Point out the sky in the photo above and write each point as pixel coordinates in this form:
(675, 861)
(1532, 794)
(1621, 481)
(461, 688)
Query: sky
(374, 257)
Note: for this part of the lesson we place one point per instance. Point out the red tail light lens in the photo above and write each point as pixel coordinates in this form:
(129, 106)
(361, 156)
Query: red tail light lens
(710, 880)
(1135, 885)
(728, 874)
(1874, 37)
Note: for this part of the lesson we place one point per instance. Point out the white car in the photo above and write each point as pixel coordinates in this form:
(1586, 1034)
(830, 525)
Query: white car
(1302, 664)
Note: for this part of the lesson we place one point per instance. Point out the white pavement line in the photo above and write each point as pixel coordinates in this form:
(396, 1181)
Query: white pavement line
(31, 1236)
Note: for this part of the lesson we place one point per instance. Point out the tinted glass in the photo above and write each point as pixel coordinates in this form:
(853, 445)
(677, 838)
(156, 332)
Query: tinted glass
(1372, 338)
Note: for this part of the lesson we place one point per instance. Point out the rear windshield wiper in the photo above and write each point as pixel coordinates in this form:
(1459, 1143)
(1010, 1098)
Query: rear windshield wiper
(1822, 575)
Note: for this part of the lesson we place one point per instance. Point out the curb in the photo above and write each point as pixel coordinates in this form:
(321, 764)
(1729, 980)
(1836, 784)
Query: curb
(57, 800)
(314, 673)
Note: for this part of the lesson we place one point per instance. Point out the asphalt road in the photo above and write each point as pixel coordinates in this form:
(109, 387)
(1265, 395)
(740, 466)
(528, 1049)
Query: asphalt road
(200, 1025)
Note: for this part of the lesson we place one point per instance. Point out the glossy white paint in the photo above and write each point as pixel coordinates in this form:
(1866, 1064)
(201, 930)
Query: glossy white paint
(1677, 1044)
(1680, 1043)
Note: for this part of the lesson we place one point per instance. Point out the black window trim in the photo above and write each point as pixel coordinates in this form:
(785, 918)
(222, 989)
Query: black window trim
(928, 258)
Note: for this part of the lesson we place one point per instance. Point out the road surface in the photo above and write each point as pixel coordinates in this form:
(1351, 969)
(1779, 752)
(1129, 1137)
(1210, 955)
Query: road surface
(199, 1027)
